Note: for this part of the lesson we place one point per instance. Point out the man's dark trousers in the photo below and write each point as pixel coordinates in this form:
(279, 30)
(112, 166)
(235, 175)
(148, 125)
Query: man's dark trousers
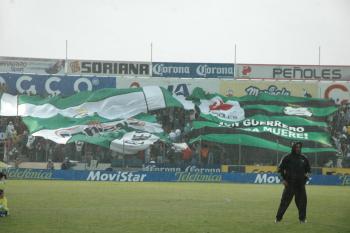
(296, 189)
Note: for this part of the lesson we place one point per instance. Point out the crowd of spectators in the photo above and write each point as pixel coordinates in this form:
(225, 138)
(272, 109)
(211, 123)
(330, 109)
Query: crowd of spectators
(339, 124)
(18, 146)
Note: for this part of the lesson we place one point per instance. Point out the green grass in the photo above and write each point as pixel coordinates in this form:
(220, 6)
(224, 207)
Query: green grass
(86, 207)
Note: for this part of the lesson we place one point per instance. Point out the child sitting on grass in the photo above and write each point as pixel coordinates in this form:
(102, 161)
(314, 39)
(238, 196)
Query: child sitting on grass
(4, 210)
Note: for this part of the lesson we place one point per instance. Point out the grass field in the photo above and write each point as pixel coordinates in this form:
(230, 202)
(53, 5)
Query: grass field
(86, 207)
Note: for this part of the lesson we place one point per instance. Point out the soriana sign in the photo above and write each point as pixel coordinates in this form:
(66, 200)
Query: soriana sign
(109, 68)
(293, 72)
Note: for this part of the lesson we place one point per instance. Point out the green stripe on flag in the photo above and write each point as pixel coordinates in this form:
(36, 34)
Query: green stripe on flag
(76, 99)
(247, 140)
(319, 112)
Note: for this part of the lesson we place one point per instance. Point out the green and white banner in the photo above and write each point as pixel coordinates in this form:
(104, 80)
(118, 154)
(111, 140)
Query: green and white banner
(263, 121)
(127, 136)
(108, 103)
(111, 118)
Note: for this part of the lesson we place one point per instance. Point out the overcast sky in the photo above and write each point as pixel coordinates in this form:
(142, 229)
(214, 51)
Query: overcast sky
(265, 31)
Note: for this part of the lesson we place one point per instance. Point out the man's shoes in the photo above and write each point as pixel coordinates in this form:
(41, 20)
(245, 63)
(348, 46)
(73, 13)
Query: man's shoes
(277, 221)
(303, 221)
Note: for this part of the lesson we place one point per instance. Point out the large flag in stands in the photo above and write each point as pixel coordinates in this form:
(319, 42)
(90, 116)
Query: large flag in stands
(263, 122)
(112, 118)
(118, 119)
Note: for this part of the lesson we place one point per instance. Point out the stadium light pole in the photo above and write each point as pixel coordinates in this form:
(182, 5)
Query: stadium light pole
(65, 64)
(277, 161)
(239, 152)
(151, 52)
(235, 62)
(319, 55)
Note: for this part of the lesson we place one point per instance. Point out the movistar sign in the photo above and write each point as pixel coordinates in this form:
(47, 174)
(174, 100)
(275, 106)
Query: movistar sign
(192, 70)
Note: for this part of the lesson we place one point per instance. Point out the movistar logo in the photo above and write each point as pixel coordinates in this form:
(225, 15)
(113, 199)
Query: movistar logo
(118, 176)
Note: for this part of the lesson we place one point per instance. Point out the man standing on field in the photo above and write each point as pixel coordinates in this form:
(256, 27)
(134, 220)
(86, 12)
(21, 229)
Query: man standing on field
(294, 169)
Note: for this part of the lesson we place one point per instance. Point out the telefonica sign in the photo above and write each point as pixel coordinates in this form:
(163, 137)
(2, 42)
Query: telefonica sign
(192, 70)
(293, 72)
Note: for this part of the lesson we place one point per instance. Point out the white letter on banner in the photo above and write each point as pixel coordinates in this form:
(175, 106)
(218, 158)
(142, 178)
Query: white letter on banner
(260, 178)
(82, 80)
(48, 86)
(93, 176)
(19, 87)
(157, 69)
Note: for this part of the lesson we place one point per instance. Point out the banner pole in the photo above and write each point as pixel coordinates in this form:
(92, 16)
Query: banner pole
(151, 52)
(319, 55)
(316, 162)
(239, 152)
(277, 151)
(66, 63)
(235, 62)
(123, 154)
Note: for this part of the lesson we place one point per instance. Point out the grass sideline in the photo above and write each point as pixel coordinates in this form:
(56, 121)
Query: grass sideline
(87, 207)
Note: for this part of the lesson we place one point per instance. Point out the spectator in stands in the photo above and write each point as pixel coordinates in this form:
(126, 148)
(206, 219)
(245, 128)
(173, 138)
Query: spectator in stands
(147, 154)
(152, 160)
(10, 130)
(339, 160)
(17, 162)
(79, 150)
(204, 154)
(187, 156)
(178, 137)
(172, 136)
(196, 155)
(187, 129)
(40, 151)
(192, 115)
(171, 156)
(329, 163)
(161, 152)
(50, 165)
(23, 142)
(347, 114)
(176, 118)
(348, 152)
(307, 94)
(65, 164)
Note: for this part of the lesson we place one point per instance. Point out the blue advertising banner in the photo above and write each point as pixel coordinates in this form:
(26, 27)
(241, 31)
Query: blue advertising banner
(127, 176)
(192, 70)
(44, 85)
(154, 167)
